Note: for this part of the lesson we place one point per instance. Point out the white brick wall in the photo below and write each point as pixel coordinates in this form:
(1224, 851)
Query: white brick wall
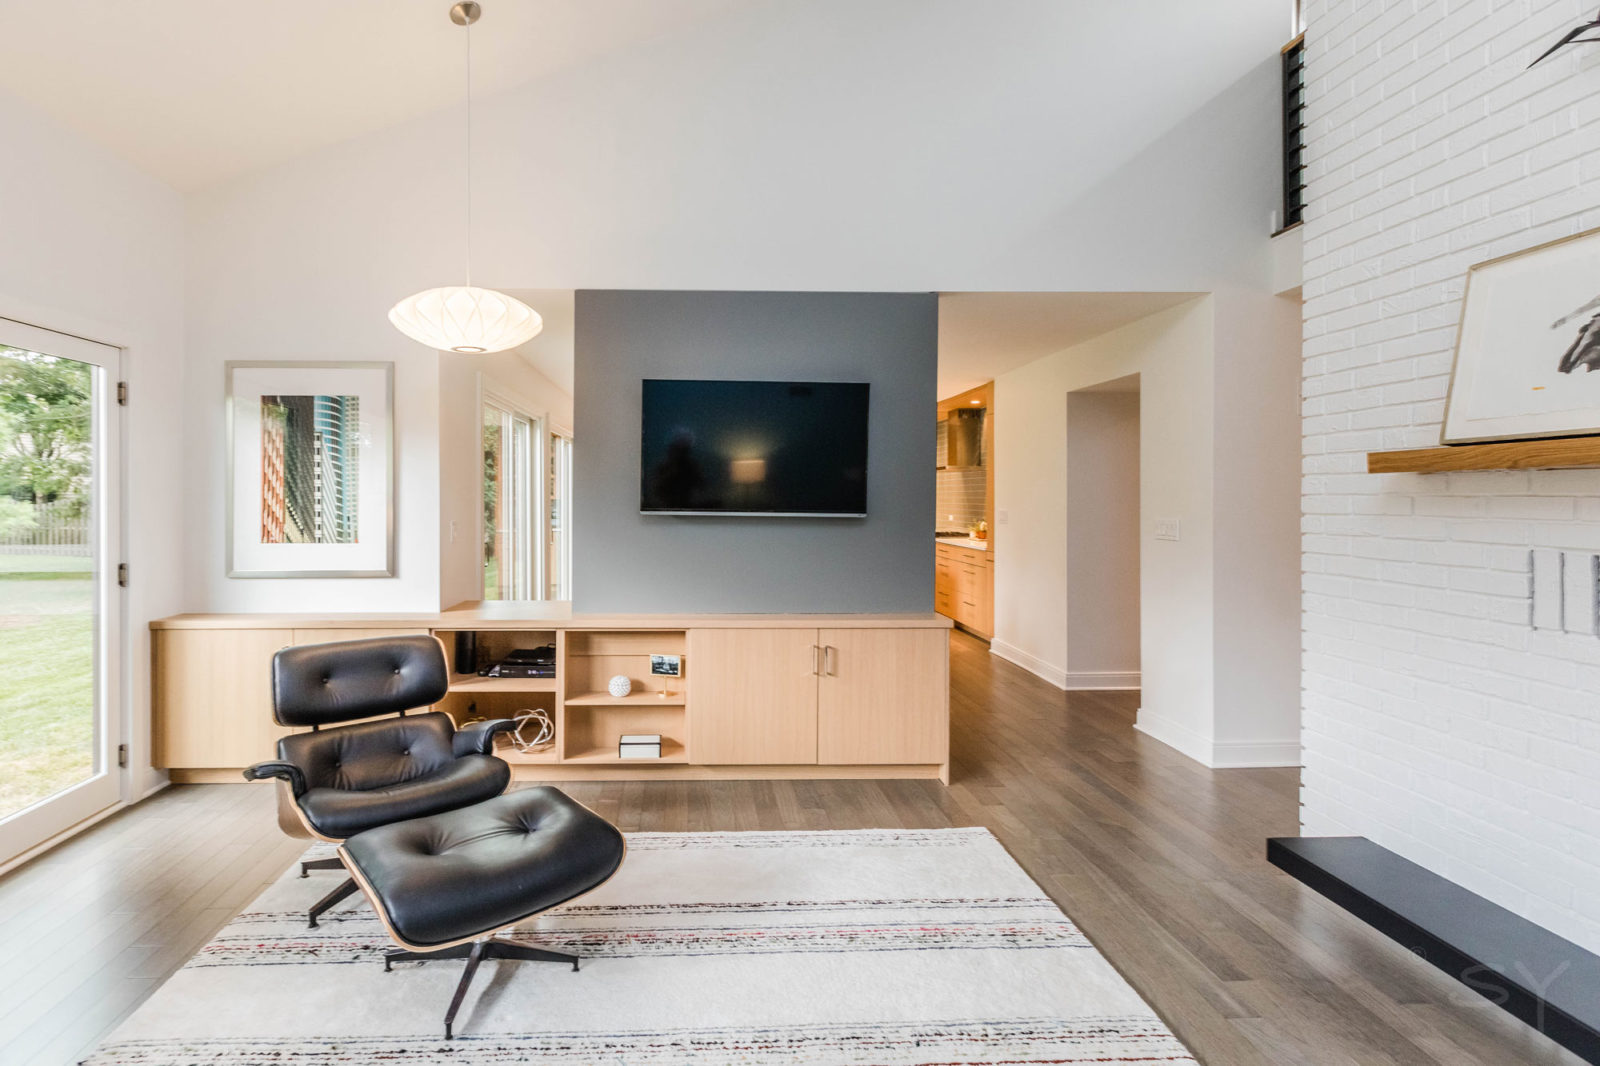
(1435, 721)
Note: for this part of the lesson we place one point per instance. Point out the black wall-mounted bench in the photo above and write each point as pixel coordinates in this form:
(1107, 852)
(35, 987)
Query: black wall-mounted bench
(1547, 981)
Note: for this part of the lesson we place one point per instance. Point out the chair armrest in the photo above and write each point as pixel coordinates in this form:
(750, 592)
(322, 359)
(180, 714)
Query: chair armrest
(477, 738)
(283, 771)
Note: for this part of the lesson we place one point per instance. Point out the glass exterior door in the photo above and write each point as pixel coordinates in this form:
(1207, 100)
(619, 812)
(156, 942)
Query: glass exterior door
(60, 706)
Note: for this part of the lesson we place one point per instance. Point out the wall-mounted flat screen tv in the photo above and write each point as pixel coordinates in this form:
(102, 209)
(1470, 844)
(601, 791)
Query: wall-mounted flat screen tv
(754, 448)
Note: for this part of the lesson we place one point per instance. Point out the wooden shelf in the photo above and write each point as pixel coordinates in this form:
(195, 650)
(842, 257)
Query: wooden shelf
(671, 752)
(1562, 453)
(503, 684)
(636, 699)
(515, 757)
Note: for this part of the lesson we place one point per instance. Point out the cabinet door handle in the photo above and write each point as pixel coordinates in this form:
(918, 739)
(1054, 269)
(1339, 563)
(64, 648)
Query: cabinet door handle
(815, 652)
(828, 653)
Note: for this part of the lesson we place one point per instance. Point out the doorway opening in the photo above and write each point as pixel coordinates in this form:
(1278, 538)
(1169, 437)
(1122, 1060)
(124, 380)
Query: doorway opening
(1103, 488)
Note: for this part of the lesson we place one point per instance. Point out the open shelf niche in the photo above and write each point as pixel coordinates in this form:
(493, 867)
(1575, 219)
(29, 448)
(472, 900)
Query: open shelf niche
(471, 696)
(592, 720)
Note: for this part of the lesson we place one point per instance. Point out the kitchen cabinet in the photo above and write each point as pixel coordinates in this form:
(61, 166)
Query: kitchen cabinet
(963, 587)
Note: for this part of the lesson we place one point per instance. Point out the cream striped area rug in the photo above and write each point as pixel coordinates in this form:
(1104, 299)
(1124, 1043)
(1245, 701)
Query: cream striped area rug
(844, 948)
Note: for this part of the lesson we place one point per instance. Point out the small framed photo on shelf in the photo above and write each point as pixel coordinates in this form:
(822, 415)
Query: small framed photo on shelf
(310, 469)
(1528, 346)
(666, 665)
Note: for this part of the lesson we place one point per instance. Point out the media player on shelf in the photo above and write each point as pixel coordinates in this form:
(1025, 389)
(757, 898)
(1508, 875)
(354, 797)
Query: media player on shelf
(524, 662)
(639, 746)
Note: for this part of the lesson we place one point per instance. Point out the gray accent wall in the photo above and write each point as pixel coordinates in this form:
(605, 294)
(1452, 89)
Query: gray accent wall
(626, 562)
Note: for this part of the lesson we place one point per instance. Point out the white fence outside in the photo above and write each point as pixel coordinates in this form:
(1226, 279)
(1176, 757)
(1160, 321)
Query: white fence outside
(55, 532)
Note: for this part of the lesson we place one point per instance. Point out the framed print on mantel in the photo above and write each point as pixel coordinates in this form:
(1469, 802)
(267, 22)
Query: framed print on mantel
(1528, 346)
(310, 469)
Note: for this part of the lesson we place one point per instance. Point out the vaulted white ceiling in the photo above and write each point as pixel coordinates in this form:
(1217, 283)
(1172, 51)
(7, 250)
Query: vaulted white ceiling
(195, 93)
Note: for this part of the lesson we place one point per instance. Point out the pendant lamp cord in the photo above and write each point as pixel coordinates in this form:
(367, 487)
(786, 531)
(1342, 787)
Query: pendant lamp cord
(469, 154)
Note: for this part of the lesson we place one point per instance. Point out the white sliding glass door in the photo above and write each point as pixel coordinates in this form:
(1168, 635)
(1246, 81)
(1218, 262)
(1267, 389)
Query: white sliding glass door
(60, 622)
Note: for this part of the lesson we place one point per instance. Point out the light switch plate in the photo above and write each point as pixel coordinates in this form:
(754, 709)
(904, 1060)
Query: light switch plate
(1578, 592)
(1167, 529)
(1546, 588)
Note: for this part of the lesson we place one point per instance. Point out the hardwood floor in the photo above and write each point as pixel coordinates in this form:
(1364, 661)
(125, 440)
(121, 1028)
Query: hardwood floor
(1159, 860)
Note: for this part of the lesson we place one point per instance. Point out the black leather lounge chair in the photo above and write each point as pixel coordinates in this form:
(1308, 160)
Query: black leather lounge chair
(342, 781)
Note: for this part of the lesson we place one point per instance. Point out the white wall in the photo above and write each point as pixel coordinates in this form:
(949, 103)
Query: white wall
(1173, 354)
(1218, 662)
(92, 247)
(1257, 530)
(1102, 536)
(1436, 722)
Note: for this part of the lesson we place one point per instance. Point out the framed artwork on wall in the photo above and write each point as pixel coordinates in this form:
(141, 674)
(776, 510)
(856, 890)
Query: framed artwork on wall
(1528, 346)
(310, 469)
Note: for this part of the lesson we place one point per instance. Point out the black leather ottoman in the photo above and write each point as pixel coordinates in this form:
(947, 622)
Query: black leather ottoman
(444, 884)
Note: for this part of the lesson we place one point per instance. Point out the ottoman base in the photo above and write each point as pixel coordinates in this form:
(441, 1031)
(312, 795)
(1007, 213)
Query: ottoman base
(492, 947)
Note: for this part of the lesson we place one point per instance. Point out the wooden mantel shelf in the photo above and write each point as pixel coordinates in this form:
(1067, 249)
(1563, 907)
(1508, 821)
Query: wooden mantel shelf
(1565, 452)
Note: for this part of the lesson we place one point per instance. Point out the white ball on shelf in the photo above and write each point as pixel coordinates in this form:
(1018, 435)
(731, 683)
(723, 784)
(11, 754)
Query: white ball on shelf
(619, 686)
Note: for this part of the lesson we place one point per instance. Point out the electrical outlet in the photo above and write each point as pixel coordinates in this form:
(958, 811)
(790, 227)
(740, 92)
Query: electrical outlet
(1167, 529)
(1002, 517)
(453, 525)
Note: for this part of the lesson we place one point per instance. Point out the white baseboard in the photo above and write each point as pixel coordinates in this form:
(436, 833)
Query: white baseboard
(1179, 737)
(1106, 679)
(1240, 754)
(1034, 665)
(1218, 755)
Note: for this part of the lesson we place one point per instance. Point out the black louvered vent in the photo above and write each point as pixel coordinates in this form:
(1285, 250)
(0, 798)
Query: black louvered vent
(1294, 104)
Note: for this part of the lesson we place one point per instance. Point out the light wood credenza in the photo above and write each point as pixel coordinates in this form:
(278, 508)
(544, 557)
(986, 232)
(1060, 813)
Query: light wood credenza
(761, 696)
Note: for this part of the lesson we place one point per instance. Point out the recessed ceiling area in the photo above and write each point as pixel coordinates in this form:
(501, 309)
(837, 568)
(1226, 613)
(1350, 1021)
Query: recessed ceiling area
(985, 334)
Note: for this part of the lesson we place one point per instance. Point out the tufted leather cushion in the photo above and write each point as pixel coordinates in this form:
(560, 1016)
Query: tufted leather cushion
(387, 751)
(461, 875)
(324, 684)
(372, 773)
(338, 814)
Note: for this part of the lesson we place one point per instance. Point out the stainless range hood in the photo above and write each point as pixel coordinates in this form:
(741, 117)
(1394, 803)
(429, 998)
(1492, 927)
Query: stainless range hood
(962, 439)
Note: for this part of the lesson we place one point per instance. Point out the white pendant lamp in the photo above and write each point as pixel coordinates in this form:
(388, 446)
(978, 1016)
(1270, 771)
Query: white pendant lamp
(464, 318)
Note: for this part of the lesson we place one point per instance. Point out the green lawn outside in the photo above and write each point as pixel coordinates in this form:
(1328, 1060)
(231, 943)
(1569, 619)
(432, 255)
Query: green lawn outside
(46, 679)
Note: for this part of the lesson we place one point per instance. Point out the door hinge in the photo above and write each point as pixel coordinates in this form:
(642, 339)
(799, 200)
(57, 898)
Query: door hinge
(122, 394)
(122, 575)
(122, 755)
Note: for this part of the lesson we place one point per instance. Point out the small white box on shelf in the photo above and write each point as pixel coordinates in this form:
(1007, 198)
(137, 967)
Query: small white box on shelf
(639, 746)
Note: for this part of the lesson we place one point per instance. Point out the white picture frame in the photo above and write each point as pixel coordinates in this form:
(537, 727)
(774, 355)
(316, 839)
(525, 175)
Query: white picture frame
(310, 457)
(1528, 346)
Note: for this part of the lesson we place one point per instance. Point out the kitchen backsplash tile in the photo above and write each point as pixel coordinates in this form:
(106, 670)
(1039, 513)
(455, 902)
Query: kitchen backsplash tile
(959, 493)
